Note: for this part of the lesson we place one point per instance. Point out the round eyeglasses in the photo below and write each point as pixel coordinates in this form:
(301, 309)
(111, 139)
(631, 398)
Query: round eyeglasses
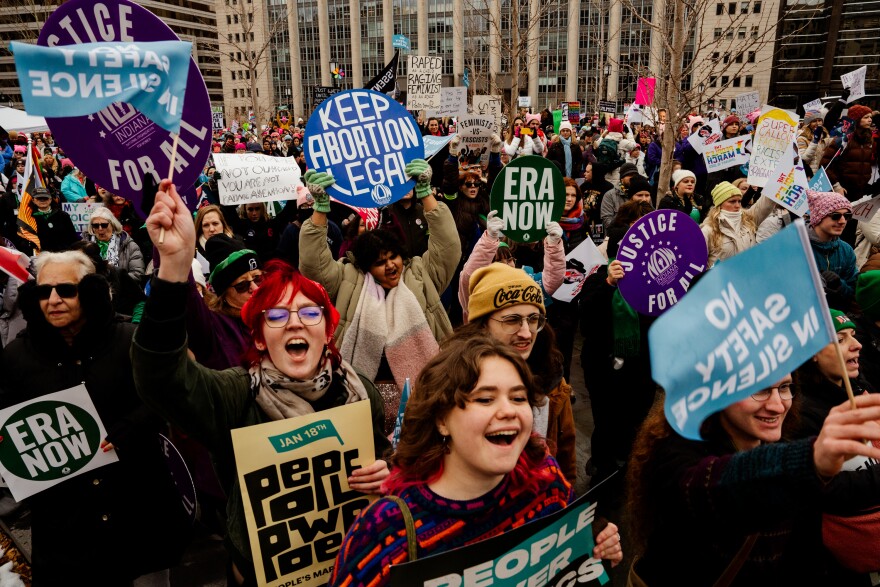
(308, 315)
(513, 322)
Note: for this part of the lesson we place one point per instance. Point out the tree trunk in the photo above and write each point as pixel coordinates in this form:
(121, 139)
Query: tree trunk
(672, 87)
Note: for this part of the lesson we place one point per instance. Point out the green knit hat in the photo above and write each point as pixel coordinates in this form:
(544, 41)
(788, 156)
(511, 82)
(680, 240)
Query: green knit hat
(868, 293)
(841, 321)
(723, 192)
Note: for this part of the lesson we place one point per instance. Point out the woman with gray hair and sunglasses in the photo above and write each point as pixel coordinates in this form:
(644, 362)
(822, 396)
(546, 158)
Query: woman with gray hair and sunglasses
(117, 246)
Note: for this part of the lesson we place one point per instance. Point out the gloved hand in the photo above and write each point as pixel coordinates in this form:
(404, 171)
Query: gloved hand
(832, 281)
(516, 130)
(844, 95)
(495, 143)
(554, 233)
(454, 145)
(318, 182)
(494, 225)
(818, 134)
(419, 170)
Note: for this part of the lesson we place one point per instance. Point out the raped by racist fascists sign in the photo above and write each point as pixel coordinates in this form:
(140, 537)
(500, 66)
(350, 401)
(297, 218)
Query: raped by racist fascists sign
(364, 139)
(294, 484)
(661, 254)
(774, 132)
(423, 78)
(254, 177)
(552, 551)
(737, 332)
(49, 439)
(528, 194)
(119, 145)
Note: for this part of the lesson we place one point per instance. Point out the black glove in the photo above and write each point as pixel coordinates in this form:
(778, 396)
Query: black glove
(832, 281)
(844, 95)
(818, 134)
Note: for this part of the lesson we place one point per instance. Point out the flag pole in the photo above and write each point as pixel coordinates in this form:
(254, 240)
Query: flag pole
(846, 383)
(170, 175)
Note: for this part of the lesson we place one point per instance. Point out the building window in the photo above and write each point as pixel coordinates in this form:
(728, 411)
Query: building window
(729, 34)
(723, 104)
(741, 33)
(743, 7)
(726, 58)
(713, 81)
(252, 36)
(724, 80)
(748, 83)
(719, 9)
(714, 56)
(739, 58)
(234, 93)
(757, 8)
(731, 8)
(754, 32)
(228, 19)
(235, 18)
(736, 82)
(251, 17)
(717, 34)
(751, 56)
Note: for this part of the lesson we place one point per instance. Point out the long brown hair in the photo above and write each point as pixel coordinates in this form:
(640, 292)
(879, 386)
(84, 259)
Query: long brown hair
(444, 384)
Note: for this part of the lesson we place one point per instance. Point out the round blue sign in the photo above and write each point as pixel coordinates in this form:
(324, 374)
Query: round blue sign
(119, 145)
(661, 253)
(364, 139)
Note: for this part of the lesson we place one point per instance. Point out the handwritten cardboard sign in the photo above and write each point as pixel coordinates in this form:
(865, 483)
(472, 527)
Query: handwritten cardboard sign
(254, 177)
(423, 78)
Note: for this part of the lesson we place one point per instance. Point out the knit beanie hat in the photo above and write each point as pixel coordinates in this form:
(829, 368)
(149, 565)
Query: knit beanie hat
(638, 184)
(628, 169)
(812, 115)
(868, 294)
(499, 285)
(723, 192)
(732, 119)
(531, 117)
(228, 261)
(240, 146)
(564, 125)
(855, 113)
(615, 125)
(841, 321)
(680, 174)
(824, 203)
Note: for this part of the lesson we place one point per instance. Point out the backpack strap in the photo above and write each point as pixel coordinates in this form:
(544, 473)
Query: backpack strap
(411, 544)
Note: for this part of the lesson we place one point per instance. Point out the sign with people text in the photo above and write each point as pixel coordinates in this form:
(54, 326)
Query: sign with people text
(48, 439)
(737, 332)
(364, 139)
(661, 254)
(254, 177)
(774, 131)
(423, 80)
(298, 505)
(553, 551)
(528, 194)
(119, 145)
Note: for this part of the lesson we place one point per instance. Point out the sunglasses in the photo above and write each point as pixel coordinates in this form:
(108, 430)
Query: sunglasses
(308, 315)
(835, 216)
(64, 290)
(243, 286)
(100, 225)
(472, 184)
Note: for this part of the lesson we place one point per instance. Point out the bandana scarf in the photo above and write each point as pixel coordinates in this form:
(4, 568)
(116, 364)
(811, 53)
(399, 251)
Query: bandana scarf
(281, 397)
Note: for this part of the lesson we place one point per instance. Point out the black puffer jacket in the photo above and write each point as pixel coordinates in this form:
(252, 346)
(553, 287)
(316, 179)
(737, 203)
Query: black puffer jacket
(128, 511)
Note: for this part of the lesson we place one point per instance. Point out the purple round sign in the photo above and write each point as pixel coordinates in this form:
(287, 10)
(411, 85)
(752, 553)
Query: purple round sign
(117, 146)
(661, 253)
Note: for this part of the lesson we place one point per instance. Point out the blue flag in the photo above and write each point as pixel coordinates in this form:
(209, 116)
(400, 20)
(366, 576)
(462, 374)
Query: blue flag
(742, 328)
(820, 182)
(77, 80)
(398, 424)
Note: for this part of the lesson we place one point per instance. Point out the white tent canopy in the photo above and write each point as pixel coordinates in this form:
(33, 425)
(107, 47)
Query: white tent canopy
(12, 119)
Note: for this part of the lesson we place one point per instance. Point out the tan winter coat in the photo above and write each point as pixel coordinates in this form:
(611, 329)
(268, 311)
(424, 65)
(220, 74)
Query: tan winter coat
(426, 276)
(733, 242)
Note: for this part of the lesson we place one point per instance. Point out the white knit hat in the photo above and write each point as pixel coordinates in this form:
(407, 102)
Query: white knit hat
(680, 174)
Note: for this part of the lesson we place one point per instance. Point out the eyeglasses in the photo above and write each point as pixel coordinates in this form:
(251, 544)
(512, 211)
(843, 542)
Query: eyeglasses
(512, 323)
(835, 216)
(472, 184)
(100, 225)
(785, 393)
(243, 286)
(64, 290)
(308, 315)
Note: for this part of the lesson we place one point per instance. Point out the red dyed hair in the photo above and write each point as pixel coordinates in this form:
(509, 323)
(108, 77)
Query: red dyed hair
(278, 276)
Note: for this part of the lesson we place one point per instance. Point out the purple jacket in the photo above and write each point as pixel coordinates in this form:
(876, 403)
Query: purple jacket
(217, 341)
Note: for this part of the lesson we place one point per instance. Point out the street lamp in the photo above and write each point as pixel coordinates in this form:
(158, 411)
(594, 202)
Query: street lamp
(333, 66)
(700, 89)
(606, 69)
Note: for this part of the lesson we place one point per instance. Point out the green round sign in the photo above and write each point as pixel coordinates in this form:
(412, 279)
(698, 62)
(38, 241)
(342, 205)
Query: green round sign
(528, 193)
(48, 440)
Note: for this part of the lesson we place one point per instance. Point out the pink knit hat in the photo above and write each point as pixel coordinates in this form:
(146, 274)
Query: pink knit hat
(531, 117)
(824, 203)
(615, 125)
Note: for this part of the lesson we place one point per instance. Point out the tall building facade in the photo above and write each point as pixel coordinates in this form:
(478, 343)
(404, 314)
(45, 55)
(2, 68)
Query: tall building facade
(819, 41)
(192, 20)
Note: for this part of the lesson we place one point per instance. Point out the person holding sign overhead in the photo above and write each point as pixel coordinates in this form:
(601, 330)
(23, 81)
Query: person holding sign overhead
(468, 466)
(294, 367)
(391, 318)
(728, 228)
(746, 505)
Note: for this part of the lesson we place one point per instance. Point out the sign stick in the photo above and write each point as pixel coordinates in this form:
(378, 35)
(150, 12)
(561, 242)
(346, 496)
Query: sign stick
(170, 175)
(846, 383)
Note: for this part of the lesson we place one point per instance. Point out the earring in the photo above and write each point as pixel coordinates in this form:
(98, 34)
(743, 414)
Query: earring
(445, 444)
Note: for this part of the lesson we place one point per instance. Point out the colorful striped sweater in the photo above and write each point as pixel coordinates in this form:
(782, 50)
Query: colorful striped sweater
(377, 539)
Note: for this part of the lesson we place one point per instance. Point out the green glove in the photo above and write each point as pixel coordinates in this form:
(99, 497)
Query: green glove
(318, 182)
(419, 170)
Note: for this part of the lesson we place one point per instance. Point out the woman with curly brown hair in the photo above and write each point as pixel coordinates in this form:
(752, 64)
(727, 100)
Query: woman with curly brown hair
(468, 465)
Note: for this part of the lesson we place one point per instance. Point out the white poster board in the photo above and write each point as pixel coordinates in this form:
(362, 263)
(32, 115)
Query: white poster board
(748, 102)
(855, 81)
(80, 213)
(254, 177)
(489, 106)
(453, 102)
(423, 80)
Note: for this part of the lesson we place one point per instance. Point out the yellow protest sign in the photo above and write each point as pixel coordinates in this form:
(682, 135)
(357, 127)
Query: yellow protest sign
(294, 484)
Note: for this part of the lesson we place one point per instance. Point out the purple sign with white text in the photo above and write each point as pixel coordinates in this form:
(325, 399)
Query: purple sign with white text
(661, 253)
(117, 146)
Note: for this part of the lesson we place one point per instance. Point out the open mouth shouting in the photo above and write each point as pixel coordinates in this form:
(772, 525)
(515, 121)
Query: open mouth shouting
(502, 437)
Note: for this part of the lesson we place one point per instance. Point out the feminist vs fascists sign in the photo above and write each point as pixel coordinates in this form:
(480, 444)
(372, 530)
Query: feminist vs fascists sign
(739, 330)
(294, 484)
(364, 139)
(527, 194)
(49, 439)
